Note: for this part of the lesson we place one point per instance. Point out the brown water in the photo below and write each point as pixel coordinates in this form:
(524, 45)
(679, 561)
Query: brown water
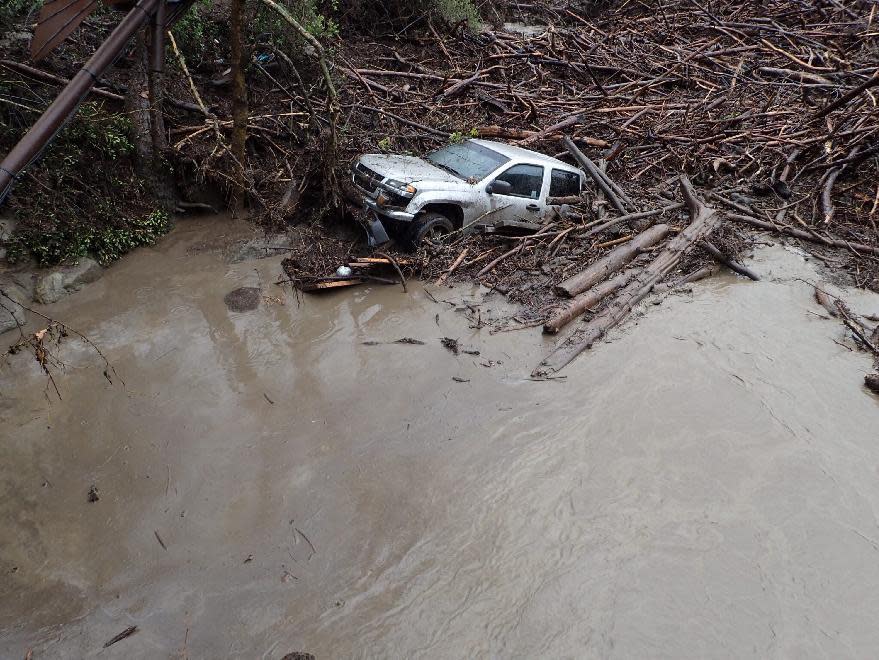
(704, 485)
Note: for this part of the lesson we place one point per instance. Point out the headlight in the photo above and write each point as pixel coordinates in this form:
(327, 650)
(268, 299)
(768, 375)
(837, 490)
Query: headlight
(400, 188)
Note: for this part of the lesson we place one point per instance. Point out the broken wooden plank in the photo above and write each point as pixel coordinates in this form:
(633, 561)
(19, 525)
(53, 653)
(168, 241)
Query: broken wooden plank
(330, 284)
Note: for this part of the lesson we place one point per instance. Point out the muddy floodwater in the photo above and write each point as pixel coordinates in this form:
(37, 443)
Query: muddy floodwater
(705, 484)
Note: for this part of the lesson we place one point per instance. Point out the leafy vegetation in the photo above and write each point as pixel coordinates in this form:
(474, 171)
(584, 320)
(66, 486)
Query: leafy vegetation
(200, 35)
(460, 136)
(400, 14)
(15, 12)
(70, 203)
(107, 243)
(455, 11)
(267, 26)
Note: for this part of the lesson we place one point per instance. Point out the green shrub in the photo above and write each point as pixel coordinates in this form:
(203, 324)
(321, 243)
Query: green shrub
(83, 196)
(400, 14)
(455, 11)
(14, 13)
(68, 243)
(201, 34)
(315, 17)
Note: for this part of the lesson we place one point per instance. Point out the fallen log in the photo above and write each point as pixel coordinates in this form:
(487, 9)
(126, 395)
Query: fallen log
(612, 262)
(408, 122)
(571, 199)
(584, 302)
(704, 221)
(45, 76)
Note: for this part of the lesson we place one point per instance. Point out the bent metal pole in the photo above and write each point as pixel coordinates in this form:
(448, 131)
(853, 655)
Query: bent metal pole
(41, 133)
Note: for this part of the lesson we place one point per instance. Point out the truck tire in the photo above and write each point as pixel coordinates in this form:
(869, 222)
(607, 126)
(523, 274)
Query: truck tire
(430, 227)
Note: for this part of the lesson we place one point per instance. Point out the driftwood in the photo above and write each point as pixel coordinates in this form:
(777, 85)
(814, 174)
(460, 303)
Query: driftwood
(689, 278)
(597, 175)
(585, 301)
(631, 217)
(845, 98)
(539, 135)
(330, 284)
(508, 133)
(704, 221)
(612, 262)
(728, 262)
(804, 235)
(442, 278)
(824, 300)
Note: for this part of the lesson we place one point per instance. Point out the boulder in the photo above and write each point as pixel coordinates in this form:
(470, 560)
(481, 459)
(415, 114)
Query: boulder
(245, 299)
(85, 272)
(11, 315)
(7, 226)
(53, 286)
(50, 288)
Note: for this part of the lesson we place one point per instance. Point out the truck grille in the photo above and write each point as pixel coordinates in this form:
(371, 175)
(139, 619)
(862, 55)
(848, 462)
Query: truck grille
(367, 179)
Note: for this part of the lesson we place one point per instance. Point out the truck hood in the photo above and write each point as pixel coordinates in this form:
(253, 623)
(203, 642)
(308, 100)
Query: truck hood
(410, 169)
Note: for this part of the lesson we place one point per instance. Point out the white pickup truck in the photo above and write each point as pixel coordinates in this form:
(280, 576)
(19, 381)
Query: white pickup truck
(460, 185)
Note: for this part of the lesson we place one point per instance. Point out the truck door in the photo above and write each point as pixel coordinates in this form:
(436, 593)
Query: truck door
(526, 200)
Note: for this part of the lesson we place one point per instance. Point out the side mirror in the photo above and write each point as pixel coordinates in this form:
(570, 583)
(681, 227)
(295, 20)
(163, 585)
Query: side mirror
(498, 187)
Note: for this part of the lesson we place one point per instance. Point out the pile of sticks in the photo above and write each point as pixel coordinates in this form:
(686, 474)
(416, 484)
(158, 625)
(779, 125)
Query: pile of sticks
(770, 105)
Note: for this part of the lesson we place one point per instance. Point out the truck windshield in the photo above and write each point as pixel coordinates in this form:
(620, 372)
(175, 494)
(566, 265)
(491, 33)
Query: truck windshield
(467, 160)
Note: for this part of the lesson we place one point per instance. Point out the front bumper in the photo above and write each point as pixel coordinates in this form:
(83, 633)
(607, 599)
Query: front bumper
(369, 198)
(393, 214)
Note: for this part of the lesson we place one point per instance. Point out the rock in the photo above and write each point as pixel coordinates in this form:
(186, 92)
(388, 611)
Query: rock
(52, 287)
(10, 38)
(245, 299)
(13, 314)
(255, 248)
(85, 272)
(7, 226)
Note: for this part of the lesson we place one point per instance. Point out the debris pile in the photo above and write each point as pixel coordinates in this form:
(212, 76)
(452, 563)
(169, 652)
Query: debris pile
(320, 262)
(769, 108)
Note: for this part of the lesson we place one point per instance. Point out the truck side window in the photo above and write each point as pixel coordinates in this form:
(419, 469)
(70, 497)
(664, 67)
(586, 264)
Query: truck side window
(525, 179)
(564, 184)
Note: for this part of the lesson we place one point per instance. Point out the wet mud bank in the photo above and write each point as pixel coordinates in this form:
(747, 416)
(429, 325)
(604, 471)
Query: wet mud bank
(289, 478)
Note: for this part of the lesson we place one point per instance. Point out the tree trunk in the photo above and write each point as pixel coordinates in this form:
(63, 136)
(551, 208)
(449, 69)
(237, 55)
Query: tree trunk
(239, 91)
(612, 262)
(585, 301)
(148, 133)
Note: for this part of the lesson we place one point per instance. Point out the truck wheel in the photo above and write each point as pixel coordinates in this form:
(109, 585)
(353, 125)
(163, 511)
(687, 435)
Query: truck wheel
(430, 227)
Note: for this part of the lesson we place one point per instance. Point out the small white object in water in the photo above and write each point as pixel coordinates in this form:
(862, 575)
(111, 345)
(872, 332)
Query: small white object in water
(343, 271)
